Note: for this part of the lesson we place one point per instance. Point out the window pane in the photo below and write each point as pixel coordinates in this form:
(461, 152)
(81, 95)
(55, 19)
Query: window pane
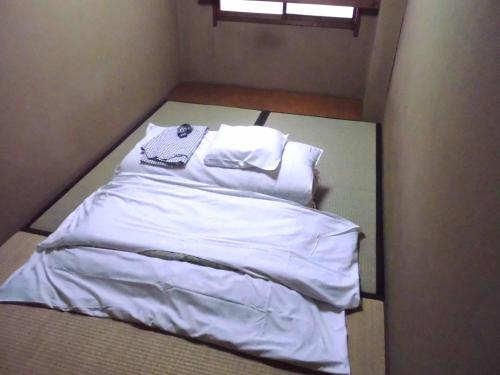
(319, 10)
(246, 6)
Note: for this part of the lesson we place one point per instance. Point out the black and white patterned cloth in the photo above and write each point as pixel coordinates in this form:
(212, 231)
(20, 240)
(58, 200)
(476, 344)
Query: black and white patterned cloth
(169, 150)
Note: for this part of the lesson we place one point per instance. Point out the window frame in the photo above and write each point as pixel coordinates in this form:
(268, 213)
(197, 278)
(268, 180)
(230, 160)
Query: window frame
(361, 7)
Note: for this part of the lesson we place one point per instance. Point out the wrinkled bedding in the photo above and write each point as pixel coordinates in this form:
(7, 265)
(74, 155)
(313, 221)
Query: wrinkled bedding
(241, 269)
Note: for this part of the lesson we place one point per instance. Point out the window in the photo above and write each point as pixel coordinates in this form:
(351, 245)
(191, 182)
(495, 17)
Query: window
(320, 10)
(244, 6)
(344, 14)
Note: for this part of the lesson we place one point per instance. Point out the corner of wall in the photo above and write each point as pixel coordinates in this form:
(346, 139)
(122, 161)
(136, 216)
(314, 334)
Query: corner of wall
(390, 21)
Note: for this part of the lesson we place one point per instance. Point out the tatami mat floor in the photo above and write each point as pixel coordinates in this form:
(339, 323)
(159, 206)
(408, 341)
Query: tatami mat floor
(43, 341)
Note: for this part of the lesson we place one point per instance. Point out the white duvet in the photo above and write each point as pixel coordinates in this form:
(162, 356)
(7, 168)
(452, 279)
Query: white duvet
(243, 270)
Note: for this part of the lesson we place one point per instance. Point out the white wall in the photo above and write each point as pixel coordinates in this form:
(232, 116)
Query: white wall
(441, 139)
(389, 21)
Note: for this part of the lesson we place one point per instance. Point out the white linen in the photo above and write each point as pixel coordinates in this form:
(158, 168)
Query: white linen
(258, 274)
(293, 180)
(246, 147)
(227, 308)
(307, 250)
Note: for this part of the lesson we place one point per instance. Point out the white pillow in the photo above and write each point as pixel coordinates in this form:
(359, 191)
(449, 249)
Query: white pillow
(293, 180)
(246, 147)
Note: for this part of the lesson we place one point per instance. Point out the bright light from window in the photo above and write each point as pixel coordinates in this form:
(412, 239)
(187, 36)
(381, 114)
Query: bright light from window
(246, 6)
(319, 10)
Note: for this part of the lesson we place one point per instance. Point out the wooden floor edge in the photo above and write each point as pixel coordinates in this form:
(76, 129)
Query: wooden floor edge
(307, 104)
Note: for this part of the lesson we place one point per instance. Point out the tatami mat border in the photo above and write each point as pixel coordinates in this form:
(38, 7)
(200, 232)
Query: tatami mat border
(260, 121)
(27, 227)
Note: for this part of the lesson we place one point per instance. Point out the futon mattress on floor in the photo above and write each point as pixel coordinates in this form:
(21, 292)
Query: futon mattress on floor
(243, 270)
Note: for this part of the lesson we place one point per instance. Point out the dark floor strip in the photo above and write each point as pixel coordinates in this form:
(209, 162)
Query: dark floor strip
(92, 165)
(261, 120)
(375, 296)
(380, 265)
(37, 231)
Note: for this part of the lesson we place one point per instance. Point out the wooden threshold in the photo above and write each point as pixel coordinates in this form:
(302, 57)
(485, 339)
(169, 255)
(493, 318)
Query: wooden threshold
(268, 100)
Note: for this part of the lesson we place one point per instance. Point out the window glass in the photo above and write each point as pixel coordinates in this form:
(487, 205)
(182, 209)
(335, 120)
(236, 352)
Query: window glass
(245, 6)
(319, 10)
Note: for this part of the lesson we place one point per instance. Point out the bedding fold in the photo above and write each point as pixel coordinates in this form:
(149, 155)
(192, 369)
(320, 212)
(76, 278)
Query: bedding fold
(244, 270)
(227, 308)
(306, 250)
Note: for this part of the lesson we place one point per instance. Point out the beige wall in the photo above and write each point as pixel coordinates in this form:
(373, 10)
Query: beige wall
(442, 191)
(74, 76)
(389, 21)
(303, 59)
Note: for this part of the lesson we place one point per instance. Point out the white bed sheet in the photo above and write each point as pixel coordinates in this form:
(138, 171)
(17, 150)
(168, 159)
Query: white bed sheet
(223, 307)
(293, 180)
(302, 248)
(245, 270)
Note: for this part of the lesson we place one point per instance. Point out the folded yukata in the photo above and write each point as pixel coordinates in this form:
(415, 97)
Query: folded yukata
(173, 147)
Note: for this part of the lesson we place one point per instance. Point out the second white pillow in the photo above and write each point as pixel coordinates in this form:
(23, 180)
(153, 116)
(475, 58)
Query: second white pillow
(246, 147)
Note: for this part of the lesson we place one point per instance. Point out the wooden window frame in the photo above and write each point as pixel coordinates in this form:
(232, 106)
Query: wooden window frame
(361, 7)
